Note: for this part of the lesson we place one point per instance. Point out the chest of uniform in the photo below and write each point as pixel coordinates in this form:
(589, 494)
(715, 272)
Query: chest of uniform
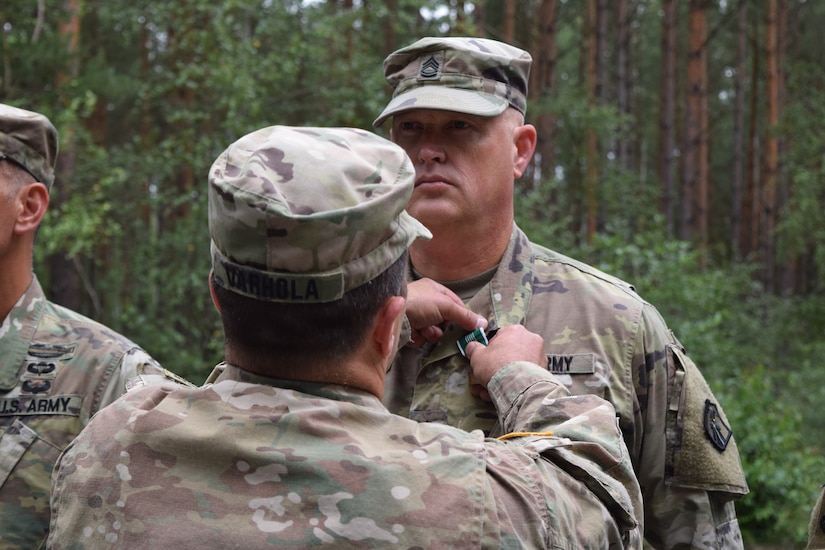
(47, 384)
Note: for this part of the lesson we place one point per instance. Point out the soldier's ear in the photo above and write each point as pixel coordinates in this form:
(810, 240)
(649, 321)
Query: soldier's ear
(524, 138)
(387, 326)
(212, 291)
(31, 202)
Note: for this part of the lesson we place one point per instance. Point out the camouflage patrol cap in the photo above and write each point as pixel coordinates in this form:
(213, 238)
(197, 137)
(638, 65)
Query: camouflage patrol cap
(30, 141)
(476, 76)
(300, 214)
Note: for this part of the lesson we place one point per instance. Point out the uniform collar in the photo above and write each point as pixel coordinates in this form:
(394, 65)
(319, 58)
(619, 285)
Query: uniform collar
(227, 372)
(504, 301)
(511, 289)
(17, 331)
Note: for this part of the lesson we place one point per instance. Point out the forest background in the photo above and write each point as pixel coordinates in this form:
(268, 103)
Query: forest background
(680, 148)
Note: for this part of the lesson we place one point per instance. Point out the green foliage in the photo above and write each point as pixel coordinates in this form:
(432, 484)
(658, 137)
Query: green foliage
(759, 353)
(800, 228)
(784, 470)
(156, 90)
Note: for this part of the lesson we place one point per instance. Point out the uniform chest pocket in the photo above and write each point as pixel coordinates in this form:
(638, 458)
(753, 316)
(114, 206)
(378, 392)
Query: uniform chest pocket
(15, 440)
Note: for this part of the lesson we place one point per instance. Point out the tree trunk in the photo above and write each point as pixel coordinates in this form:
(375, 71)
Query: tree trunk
(703, 187)
(65, 288)
(593, 90)
(789, 266)
(480, 19)
(543, 88)
(349, 48)
(461, 18)
(739, 128)
(667, 115)
(602, 11)
(509, 21)
(750, 203)
(623, 83)
(771, 157)
(695, 180)
(389, 27)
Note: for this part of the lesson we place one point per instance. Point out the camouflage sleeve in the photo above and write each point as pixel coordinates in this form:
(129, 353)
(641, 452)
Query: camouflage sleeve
(689, 467)
(578, 435)
(816, 527)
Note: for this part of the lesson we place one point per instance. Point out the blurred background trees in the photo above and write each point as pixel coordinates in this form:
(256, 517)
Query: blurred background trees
(679, 148)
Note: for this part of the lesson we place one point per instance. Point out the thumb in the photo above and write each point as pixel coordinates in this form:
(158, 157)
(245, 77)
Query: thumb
(471, 348)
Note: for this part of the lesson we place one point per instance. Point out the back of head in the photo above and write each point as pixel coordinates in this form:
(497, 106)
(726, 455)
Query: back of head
(476, 76)
(301, 218)
(29, 140)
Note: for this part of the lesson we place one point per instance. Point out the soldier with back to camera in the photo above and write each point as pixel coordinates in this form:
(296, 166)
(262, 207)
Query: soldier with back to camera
(289, 444)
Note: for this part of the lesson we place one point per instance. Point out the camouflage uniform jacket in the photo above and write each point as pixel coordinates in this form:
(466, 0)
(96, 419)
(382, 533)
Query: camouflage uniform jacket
(57, 369)
(252, 462)
(816, 527)
(600, 338)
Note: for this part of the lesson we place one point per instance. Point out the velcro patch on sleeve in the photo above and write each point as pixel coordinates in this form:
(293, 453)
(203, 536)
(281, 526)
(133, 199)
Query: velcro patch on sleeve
(701, 450)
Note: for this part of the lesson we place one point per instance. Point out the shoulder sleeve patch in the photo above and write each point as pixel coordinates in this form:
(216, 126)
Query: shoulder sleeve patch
(717, 431)
(702, 451)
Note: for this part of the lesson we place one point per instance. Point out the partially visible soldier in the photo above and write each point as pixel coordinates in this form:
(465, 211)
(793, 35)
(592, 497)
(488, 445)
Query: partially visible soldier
(458, 110)
(816, 527)
(289, 444)
(57, 368)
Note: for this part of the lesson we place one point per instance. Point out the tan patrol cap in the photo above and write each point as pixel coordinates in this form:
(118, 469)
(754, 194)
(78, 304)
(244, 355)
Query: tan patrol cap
(301, 214)
(29, 140)
(476, 76)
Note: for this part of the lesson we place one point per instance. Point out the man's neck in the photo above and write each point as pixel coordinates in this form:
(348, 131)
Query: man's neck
(353, 373)
(446, 258)
(12, 286)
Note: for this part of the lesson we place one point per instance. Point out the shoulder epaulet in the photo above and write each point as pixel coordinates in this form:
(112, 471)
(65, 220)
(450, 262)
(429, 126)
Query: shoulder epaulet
(155, 379)
(552, 256)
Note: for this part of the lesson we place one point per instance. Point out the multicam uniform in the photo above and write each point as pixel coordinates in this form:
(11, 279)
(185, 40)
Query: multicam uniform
(600, 338)
(816, 527)
(249, 461)
(57, 368)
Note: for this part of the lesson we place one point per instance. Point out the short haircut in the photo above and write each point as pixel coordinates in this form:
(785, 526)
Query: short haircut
(15, 175)
(311, 335)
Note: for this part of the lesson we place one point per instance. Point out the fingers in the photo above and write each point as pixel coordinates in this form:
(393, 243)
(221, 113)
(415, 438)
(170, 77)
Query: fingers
(431, 334)
(462, 317)
(480, 391)
(431, 306)
(512, 343)
(516, 343)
